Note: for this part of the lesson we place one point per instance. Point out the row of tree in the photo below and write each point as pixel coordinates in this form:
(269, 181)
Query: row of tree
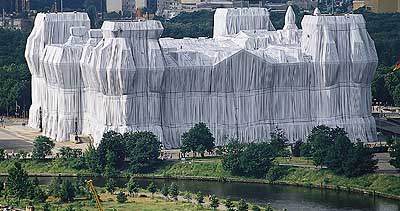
(19, 185)
(327, 147)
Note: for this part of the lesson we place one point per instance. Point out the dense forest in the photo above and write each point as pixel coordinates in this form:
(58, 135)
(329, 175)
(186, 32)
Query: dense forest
(383, 28)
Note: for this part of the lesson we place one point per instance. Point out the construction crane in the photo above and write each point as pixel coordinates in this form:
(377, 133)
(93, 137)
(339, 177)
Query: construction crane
(93, 190)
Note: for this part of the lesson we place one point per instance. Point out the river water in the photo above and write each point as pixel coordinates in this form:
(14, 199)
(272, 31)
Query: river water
(279, 196)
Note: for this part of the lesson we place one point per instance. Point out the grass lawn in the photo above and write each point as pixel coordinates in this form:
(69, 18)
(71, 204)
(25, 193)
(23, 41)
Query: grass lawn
(53, 167)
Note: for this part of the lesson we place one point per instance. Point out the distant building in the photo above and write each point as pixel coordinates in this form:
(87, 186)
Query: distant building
(120, 5)
(378, 6)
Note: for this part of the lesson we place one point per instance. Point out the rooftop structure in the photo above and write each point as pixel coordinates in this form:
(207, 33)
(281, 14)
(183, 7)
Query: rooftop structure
(245, 82)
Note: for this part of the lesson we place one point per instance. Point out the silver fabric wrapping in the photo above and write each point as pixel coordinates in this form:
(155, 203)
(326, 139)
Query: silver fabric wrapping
(246, 82)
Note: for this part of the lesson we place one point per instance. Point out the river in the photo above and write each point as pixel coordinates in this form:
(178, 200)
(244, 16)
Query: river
(279, 196)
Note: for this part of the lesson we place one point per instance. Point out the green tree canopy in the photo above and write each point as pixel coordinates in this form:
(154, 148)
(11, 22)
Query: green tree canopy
(42, 147)
(198, 139)
(143, 149)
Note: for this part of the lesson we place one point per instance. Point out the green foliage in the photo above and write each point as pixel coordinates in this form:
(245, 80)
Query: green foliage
(187, 195)
(332, 147)
(152, 188)
(395, 153)
(67, 191)
(383, 29)
(165, 191)
(15, 86)
(2, 154)
(278, 143)
(42, 147)
(46, 207)
(55, 186)
(192, 24)
(111, 152)
(198, 139)
(199, 197)
(110, 185)
(73, 158)
(296, 148)
(91, 160)
(121, 197)
(256, 208)
(228, 203)
(173, 191)
(320, 138)
(12, 47)
(143, 149)
(252, 160)
(17, 183)
(242, 205)
(214, 202)
(132, 186)
(277, 172)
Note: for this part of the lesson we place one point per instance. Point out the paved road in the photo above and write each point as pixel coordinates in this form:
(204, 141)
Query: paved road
(12, 142)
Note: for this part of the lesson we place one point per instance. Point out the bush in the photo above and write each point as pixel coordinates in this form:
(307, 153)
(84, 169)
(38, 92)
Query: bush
(173, 191)
(42, 147)
(200, 197)
(277, 172)
(252, 160)
(242, 205)
(214, 202)
(110, 185)
(331, 147)
(121, 197)
(152, 188)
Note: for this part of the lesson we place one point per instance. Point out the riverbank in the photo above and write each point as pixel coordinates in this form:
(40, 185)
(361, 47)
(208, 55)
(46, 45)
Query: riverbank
(211, 170)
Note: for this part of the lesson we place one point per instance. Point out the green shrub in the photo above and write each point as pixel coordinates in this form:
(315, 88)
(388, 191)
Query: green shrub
(277, 172)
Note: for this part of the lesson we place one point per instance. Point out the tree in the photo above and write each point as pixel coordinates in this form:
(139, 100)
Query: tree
(17, 183)
(67, 191)
(296, 148)
(165, 191)
(332, 147)
(198, 139)
(111, 152)
(152, 189)
(132, 186)
(121, 197)
(214, 202)
(55, 186)
(42, 147)
(361, 161)
(320, 139)
(110, 185)
(276, 172)
(143, 149)
(91, 160)
(253, 160)
(200, 198)
(278, 142)
(242, 205)
(395, 153)
(173, 191)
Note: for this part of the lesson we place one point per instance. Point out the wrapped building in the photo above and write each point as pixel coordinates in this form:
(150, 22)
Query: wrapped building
(245, 82)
